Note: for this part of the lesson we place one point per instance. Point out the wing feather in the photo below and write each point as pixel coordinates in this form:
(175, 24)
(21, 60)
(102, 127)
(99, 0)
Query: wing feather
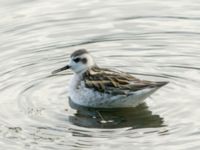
(113, 82)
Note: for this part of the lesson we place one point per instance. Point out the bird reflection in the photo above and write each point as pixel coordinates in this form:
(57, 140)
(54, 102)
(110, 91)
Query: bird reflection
(138, 117)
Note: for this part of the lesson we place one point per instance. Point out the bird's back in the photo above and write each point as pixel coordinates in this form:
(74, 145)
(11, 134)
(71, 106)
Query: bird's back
(100, 87)
(115, 82)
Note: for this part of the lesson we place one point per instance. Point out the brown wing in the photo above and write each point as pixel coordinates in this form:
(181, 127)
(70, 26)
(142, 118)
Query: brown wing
(108, 81)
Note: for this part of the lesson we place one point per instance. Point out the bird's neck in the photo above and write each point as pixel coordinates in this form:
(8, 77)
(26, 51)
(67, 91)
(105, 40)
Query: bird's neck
(82, 72)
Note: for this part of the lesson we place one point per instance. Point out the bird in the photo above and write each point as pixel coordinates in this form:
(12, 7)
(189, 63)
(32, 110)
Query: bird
(97, 87)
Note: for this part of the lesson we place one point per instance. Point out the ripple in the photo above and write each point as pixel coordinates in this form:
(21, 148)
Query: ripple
(161, 17)
(37, 37)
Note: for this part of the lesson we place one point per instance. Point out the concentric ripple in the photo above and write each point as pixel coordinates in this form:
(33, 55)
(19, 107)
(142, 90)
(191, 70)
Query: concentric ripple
(154, 40)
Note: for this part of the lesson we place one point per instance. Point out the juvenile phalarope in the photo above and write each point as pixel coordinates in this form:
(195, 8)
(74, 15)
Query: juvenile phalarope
(92, 86)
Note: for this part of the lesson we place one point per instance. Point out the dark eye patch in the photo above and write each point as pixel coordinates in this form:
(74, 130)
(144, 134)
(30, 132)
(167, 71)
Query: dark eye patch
(84, 60)
(76, 60)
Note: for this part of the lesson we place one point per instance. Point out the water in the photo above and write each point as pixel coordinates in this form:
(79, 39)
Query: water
(154, 40)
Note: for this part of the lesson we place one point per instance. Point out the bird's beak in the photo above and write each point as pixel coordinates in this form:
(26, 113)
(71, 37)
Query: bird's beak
(61, 69)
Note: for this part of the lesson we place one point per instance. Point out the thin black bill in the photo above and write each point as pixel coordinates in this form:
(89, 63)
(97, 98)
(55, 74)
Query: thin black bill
(61, 69)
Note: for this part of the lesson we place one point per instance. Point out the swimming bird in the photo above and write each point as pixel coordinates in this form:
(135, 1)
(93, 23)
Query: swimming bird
(93, 86)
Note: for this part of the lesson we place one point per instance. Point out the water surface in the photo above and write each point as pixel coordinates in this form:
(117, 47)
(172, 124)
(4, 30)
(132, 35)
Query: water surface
(154, 40)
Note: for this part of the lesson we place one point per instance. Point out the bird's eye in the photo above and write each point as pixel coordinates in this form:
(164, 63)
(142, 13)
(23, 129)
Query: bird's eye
(76, 60)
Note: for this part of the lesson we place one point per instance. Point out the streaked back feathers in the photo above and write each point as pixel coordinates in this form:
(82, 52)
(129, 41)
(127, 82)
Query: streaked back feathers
(113, 82)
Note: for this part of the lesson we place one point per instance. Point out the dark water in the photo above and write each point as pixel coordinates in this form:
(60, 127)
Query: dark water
(153, 39)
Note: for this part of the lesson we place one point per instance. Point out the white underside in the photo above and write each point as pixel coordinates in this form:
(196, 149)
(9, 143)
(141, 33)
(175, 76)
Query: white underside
(87, 97)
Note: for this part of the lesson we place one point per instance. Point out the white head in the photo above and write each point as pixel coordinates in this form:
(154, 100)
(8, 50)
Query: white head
(80, 61)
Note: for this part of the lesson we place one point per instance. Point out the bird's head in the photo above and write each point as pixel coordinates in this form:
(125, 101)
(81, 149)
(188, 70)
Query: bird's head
(79, 62)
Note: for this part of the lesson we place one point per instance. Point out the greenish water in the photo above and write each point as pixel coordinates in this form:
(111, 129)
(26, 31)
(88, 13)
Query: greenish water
(152, 39)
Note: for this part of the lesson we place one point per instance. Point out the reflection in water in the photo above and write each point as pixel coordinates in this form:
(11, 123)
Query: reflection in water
(37, 37)
(138, 117)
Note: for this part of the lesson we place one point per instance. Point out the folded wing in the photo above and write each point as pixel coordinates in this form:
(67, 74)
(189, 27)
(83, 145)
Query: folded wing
(115, 83)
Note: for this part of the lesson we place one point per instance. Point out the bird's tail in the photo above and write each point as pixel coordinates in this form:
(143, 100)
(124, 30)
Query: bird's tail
(159, 84)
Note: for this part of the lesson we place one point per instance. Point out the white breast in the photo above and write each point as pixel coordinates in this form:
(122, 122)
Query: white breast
(81, 95)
